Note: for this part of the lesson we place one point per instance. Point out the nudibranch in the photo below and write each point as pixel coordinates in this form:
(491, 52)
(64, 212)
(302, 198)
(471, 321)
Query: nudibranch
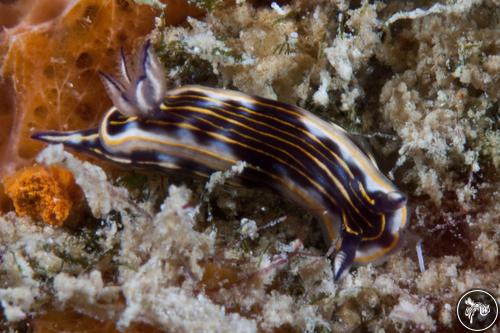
(202, 130)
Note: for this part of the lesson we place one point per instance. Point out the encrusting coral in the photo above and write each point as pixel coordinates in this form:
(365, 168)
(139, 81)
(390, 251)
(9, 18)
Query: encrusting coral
(420, 83)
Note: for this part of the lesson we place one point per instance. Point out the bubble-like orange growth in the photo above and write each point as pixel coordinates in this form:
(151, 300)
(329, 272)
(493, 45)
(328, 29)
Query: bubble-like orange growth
(43, 194)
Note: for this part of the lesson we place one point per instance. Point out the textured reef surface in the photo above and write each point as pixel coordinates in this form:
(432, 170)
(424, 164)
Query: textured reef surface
(85, 243)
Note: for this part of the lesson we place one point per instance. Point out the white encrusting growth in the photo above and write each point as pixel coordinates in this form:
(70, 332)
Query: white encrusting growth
(277, 8)
(320, 97)
(459, 6)
(219, 177)
(338, 56)
(248, 228)
(102, 197)
(408, 310)
(204, 44)
(87, 289)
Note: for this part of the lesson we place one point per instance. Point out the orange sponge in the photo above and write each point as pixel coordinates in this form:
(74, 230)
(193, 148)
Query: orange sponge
(46, 194)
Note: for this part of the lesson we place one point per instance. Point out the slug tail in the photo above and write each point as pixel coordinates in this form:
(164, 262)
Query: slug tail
(85, 141)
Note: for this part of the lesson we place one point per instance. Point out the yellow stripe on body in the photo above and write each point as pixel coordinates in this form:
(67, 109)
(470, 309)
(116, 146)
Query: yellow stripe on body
(242, 108)
(365, 195)
(378, 254)
(385, 250)
(90, 137)
(361, 200)
(382, 228)
(123, 122)
(112, 158)
(403, 214)
(338, 184)
(346, 225)
(231, 129)
(359, 156)
(117, 142)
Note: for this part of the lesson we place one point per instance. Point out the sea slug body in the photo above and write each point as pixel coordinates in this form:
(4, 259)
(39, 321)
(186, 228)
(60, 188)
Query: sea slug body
(203, 130)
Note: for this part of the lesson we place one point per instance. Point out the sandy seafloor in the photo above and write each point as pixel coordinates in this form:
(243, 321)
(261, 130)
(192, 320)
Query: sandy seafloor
(417, 81)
